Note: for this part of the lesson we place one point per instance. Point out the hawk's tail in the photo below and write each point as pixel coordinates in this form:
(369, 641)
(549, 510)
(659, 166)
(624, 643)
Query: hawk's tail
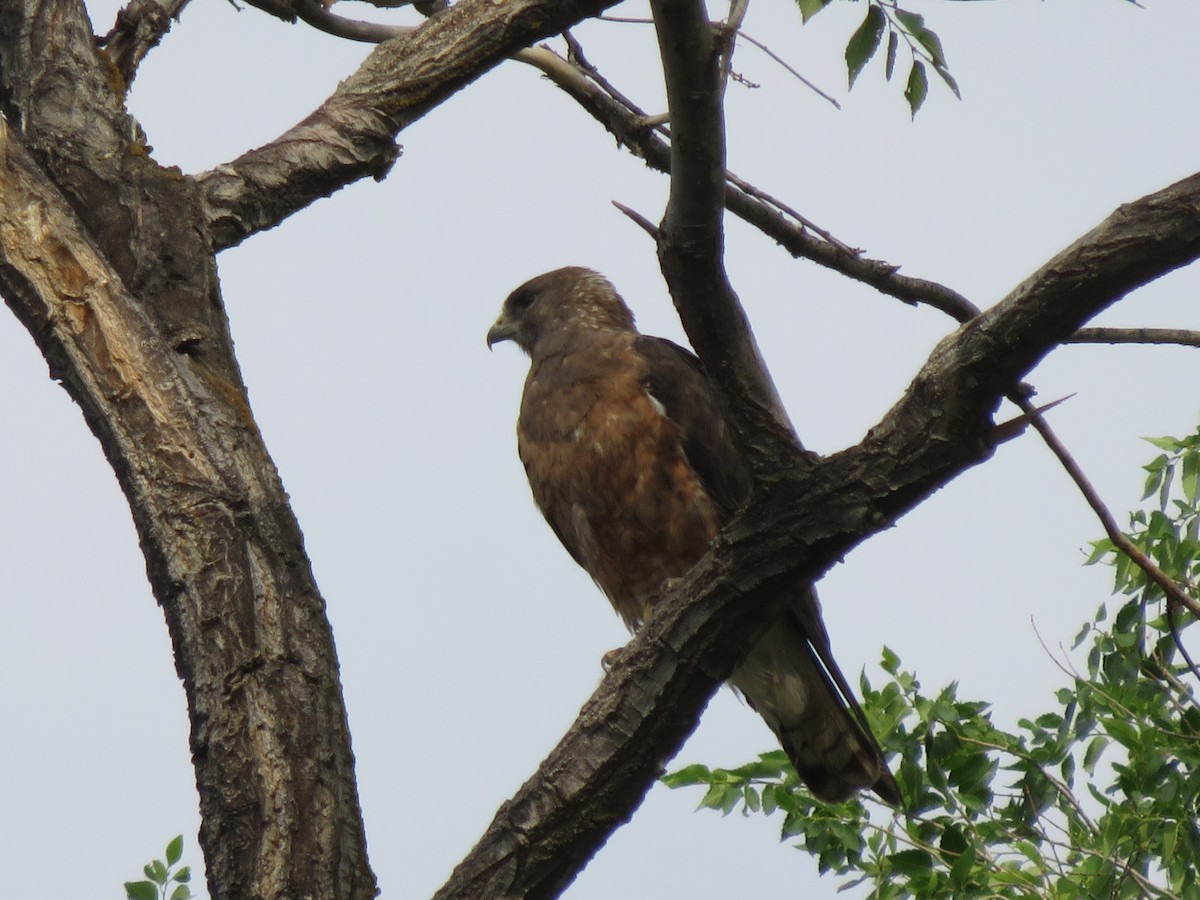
(790, 678)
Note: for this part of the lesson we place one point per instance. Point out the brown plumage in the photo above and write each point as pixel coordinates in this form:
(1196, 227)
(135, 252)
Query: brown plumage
(631, 462)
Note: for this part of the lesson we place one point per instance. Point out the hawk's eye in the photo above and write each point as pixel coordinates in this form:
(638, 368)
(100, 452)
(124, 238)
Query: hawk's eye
(522, 301)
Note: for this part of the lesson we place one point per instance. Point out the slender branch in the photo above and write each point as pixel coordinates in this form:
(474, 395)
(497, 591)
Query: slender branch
(795, 233)
(1059, 785)
(638, 219)
(319, 17)
(780, 61)
(138, 29)
(1181, 336)
(1107, 520)
(1067, 668)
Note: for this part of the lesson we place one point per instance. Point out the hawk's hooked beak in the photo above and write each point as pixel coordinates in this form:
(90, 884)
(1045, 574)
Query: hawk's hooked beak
(502, 330)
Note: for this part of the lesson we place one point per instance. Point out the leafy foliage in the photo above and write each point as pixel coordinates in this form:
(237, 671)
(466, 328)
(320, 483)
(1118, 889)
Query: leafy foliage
(886, 17)
(160, 878)
(1095, 798)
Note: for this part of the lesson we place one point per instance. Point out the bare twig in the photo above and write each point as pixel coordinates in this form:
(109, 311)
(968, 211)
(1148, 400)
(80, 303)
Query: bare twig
(779, 60)
(795, 233)
(1181, 336)
(577, 58)
(1015, 427)
(645, 224)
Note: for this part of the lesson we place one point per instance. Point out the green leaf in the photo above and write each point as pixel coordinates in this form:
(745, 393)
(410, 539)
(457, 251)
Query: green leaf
(156, 872)
(183, 892)
(890, 662)
(141, 890)
(913, 863)
(750, 798)
(945, 75)
(713, 796)
(183, 876)
(809, 8)
(768, 765)
(960, 871)
(1170, 444)
(917, 88)
(890, 65)
(1124, 733)
(687, 776)
(174, 850)
(769, 803)
(1191, 473)
(864, 42)
(915, 24)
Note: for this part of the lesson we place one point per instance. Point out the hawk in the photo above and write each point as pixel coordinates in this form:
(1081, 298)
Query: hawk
(632, 464)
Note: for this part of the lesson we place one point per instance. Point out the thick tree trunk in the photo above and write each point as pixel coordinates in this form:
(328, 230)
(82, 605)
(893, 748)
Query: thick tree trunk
(104, 256)
(108, 260)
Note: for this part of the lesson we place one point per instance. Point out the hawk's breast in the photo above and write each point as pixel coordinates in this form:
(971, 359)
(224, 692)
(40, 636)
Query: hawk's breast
(608, 471)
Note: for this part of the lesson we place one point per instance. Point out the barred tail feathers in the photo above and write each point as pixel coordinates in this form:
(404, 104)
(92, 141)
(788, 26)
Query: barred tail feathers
(791, 680)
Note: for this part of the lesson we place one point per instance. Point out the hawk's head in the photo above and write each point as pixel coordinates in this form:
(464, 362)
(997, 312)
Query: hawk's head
(558, 305)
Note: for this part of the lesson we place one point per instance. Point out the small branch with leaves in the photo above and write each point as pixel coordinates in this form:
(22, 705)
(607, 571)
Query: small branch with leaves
(163, 880)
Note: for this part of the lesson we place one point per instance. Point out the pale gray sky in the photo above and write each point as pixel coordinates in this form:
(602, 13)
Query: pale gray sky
(468, 639)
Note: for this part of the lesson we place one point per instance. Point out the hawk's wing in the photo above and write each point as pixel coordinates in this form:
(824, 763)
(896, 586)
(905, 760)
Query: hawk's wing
(677, 379)
(790, 676)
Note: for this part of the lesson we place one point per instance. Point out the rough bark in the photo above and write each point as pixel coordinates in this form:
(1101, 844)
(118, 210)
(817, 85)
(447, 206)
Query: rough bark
(352, 134)
(104, 257)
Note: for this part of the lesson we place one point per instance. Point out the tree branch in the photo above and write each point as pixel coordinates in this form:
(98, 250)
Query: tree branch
(691, 240)
(806, 521)
(1180, 336)
(796, 234)
(138, 29)
(1108, 521)
(352, 134)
